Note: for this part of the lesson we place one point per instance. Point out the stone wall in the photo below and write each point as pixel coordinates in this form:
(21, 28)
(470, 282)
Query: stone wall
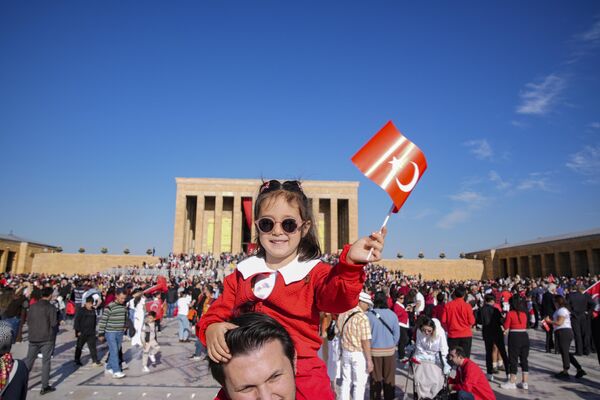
(460, 269)
(57, 263)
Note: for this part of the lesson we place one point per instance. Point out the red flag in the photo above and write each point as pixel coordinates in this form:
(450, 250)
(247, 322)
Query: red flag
(594, 291)
(393, 162)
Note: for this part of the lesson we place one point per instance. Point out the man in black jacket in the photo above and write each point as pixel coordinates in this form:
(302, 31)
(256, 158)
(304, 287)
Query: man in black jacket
(85, 331)
(491, 331)
(41, 320)
(548, 309)
(582, 305)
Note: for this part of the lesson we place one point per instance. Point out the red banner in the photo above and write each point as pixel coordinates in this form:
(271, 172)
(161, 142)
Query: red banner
(247, 205)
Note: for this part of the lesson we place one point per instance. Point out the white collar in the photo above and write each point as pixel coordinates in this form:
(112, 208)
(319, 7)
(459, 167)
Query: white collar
(293, 272)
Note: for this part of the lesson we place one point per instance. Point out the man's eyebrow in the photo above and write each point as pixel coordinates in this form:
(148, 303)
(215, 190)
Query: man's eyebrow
(273, 375)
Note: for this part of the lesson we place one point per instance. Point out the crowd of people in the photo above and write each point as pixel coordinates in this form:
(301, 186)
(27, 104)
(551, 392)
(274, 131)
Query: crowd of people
(350, 322)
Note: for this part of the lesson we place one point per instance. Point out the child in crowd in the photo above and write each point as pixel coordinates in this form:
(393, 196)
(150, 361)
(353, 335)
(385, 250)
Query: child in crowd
(287, 281)
(149, 343)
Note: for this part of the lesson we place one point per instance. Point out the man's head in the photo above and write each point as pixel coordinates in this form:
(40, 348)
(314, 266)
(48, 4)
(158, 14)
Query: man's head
(89, 302)
(47, 293)
(364, 301)
(456, 356)
(120, 296)
(262, 343)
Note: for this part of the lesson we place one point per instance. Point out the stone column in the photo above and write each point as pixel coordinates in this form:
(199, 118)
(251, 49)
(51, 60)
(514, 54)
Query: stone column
(236, 235)
(218, 225)
(253, 225)
(333, 227)
(3, 260)
(315, 211)
(178, 234)
(573, 262)
(22, 258)
(352, 219)
(593, 269)
(199, 224)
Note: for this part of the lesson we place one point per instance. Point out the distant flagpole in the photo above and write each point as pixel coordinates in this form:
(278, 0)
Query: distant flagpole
(385, 221)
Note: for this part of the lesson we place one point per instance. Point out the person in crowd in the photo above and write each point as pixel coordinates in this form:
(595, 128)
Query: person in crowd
(262, 342)
(171, 299)
(458, 319)
(547, 311)
(385, 335)
(289, 253)
(355, 334)
(136, 311)
(515, 326)
(561, 323)
(438, 309)
(430, 343)
(15, 311)
(582, 306)
(149, 341)
(183, 308)
(14, 374)
(492, 333)
(470, 382)
(41, 320)
(85, 331)
(402, 315)
(111, 328)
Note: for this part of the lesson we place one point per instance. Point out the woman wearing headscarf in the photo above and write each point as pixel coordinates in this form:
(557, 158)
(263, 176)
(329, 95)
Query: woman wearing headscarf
(14, 375)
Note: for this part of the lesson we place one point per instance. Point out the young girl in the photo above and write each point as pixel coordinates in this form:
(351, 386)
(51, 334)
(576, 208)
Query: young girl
(287, 281)
(148, 338)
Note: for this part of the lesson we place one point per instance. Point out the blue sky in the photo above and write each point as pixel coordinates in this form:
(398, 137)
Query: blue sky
(103, 104)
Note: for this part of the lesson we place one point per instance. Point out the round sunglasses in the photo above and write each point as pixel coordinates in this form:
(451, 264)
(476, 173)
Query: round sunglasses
(267, 224)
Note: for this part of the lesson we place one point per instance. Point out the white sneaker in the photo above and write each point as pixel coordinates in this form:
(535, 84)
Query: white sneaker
(108, 371)
(152, 358)
(146, 369)
(490, 377)
(508, 385)
(124, 365)
(119, 375)
(523, 385)
(40, 355)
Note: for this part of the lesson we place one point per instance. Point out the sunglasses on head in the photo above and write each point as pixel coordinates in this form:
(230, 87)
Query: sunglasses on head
(267, 224)
(273, 184)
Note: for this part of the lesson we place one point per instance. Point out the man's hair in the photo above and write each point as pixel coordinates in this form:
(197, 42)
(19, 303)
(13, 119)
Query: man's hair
(119, 291)
(489, 297)
(47, 292)
(380, 300)
(459, 351)
(89, 299)
(254, 331)
(459, 292)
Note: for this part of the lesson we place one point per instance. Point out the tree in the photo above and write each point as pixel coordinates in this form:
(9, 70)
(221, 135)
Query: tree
(399, 255)
(104, 250)
(81, 250)
(126, 251)
(442, 255)
(421, 255)
(59, 249)
(462, 255)
(149, 252)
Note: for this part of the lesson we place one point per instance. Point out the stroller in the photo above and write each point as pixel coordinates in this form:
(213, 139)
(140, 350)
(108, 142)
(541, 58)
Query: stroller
(429, 381)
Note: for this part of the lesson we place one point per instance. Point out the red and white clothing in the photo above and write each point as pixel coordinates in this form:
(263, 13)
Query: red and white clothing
(400, 311)
(299, 292)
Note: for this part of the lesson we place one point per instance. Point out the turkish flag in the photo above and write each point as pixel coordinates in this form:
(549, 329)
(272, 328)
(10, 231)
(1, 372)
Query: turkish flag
(594, 291)
(393, 162)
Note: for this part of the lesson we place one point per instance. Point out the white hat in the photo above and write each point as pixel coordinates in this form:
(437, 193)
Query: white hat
(365, 298)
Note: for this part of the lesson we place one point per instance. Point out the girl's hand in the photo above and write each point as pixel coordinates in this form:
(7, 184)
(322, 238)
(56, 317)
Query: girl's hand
(360, 249)
(215, 341)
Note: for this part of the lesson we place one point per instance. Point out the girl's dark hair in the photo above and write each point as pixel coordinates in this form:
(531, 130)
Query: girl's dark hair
(518, 305)
(440, 297)
(560, 301)
(292, 192)
(424, 320)
(380, 300)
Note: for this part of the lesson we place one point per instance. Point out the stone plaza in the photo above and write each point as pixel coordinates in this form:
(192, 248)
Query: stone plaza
(177, 377)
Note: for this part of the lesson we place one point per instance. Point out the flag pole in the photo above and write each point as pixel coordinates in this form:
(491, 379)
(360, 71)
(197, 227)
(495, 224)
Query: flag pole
(385, 221)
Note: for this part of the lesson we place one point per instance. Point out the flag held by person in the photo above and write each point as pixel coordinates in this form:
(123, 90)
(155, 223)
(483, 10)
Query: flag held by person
(594, 291)
(393, 162)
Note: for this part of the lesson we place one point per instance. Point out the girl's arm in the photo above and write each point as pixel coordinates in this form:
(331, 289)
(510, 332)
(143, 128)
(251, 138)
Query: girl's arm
(559, 321)
(222, 308)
